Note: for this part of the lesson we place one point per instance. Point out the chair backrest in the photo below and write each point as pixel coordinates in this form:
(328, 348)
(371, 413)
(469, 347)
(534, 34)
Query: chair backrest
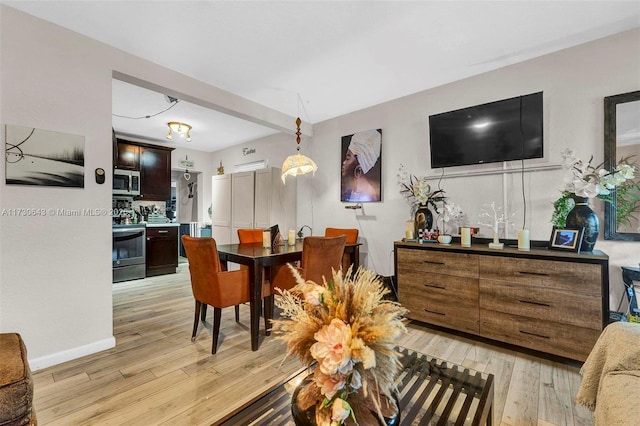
(250, 235)
(351, 233)
(320, 255)
(204, 263)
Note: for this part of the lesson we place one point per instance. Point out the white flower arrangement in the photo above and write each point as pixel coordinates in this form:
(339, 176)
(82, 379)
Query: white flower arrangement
(585, 180)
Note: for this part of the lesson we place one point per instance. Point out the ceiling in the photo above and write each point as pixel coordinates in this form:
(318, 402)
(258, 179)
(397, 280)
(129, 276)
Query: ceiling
(319, 59)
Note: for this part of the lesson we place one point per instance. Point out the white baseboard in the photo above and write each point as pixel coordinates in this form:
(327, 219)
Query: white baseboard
(64, 356)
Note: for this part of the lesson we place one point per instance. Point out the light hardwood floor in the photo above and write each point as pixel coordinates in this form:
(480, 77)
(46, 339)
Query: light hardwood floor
(156, 375)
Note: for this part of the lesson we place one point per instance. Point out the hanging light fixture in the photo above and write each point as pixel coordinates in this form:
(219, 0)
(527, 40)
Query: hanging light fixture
(297, 164)
(180, 128)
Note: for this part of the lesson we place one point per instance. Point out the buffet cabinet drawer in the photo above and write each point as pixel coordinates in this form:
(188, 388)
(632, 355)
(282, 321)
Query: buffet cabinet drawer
(443, 300)
(573, 308)
(539, 334)
(543, 273)
(458, 264)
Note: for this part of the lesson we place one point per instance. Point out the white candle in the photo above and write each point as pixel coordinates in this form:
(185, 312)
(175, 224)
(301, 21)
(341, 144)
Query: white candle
(524, 243)
(465, 237)
(266, 239)
(292, 237)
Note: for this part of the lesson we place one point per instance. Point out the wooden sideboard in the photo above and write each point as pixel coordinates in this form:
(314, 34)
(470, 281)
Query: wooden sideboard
(550, 301)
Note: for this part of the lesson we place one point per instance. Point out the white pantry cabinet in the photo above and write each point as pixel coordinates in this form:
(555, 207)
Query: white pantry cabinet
(256, 199)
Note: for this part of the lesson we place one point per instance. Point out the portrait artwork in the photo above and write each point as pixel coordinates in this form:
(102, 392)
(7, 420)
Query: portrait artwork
(361, 171)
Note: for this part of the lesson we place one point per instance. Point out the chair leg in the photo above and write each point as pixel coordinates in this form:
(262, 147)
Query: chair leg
(204, 312)
(216, 328)
(237, 313)
(268, 313)
(195, 320)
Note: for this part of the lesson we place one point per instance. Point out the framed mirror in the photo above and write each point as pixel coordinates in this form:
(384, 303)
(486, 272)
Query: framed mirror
(621, 139)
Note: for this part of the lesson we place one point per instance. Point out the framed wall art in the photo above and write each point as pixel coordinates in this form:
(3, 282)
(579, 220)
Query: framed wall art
(43, 157)
(361, 170)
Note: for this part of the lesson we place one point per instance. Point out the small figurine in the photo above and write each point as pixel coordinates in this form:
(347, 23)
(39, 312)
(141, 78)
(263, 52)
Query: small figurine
(220, 169)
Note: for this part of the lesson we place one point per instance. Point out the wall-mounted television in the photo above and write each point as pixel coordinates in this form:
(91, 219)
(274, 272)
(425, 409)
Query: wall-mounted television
(506, 130)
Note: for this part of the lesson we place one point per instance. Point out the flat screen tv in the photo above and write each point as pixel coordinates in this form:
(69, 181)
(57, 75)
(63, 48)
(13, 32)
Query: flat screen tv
(506, 130)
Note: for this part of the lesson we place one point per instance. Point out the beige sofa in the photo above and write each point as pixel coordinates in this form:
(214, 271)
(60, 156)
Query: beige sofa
(611, 377)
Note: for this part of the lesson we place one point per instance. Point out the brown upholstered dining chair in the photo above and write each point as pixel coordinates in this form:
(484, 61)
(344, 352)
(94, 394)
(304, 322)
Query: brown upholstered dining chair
(253, 236)
(250, 235)
(210, 284)
(352, 238)
(319, 256)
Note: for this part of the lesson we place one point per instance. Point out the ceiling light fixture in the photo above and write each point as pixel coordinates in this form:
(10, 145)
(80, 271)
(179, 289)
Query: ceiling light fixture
(297, 164)
(180, 128)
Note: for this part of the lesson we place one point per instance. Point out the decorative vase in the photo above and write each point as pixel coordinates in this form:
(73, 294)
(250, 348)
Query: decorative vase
(423, 219)
(306, 397)
(582, 216)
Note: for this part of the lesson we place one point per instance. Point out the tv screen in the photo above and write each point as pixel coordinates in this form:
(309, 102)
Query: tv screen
(506, 130)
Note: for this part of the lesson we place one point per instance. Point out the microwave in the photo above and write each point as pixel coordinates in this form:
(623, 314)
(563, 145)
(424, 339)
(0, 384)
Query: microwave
(126, 182)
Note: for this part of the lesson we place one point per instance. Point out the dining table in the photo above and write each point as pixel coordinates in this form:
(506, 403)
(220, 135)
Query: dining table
(257, 258)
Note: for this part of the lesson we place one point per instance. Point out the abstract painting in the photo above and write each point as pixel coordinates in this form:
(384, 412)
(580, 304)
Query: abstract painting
(43, 157)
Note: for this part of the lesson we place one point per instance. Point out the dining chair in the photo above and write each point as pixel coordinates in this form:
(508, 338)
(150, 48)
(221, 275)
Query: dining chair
(252, 236)
(352, 238)
(210, 284)
(320, 255)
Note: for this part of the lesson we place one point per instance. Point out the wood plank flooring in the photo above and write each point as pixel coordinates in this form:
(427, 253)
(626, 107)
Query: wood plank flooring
(156, 376)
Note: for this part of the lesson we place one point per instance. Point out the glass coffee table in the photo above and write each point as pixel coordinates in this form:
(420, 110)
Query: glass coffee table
(432, 392)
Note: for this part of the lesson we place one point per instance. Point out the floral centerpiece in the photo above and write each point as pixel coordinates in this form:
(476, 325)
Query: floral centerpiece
(584, 180)
(418, 192)
(347, 330)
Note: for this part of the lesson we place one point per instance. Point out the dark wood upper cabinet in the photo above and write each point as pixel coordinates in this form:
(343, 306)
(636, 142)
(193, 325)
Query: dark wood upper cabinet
(154, 164)
(127, 156)
(155, 173)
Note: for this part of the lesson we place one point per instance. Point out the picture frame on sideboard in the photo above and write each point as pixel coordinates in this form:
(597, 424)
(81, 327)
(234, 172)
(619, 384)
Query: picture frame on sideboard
(567, 239)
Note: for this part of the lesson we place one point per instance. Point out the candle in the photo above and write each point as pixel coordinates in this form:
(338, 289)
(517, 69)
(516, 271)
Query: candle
(524, 243)
(292, 237)
(266, 239)
(408, 234)
(465, 237)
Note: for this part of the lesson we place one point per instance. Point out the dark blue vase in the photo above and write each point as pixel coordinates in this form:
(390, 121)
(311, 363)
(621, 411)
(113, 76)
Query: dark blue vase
(423, 219)
(581, 216)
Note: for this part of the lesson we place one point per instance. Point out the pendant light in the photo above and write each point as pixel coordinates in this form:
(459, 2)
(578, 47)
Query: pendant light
(297, 164)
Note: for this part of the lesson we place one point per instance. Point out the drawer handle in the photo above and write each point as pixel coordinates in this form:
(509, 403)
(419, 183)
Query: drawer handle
(439, 287)
(533, 273)
(431, 262)
(163, 232)
(530, 302)
(434, 312)
(534, 334)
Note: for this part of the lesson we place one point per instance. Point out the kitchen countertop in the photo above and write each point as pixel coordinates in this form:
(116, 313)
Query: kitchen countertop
(148, 225)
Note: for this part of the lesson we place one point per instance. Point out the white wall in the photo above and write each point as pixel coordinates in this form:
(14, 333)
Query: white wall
(55, 272)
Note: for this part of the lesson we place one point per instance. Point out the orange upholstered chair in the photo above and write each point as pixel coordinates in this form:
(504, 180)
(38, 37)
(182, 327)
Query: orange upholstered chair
(210, 284)
(319, 256)
(249, 235)
(352, 238)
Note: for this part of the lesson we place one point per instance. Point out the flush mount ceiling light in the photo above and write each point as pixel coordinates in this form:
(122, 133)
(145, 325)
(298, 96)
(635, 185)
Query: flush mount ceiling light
(180, 128)
(297, 164)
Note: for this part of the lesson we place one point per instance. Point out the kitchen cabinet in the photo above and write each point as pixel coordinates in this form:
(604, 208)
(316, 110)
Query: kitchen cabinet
(127, 156)
(544, 300)
(162, 250)
(155, 173)
(154, 164)
(256, 199)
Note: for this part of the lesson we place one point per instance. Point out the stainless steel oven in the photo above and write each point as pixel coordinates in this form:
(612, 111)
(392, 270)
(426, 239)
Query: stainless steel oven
(128, 254)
